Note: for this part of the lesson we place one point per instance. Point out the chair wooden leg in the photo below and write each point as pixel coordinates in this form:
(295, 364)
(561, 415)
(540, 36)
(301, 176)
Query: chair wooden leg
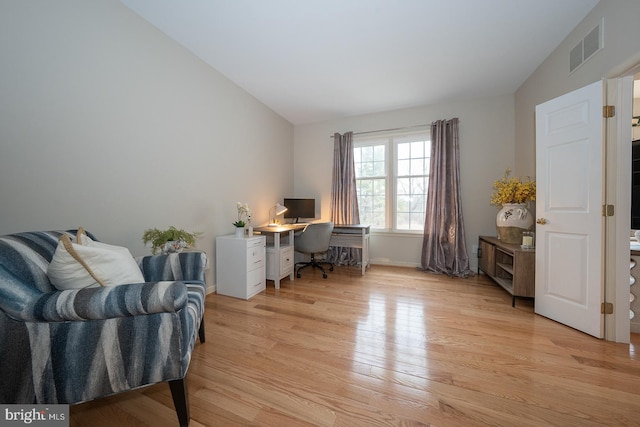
(180, 396)
(201, 331)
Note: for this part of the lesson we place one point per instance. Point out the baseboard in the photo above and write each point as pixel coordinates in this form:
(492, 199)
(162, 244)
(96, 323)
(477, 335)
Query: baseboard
(391, 263)
(387, 262)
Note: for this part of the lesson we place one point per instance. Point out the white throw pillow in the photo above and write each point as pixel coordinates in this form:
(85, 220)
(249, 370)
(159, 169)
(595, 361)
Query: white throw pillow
(90, 264)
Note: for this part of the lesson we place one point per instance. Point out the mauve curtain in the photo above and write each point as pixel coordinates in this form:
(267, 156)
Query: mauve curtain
(344, 197)
(444, 249)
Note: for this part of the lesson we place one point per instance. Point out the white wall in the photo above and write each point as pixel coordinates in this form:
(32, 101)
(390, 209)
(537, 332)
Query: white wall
(486, 150)
(552, 78)
(107, 123)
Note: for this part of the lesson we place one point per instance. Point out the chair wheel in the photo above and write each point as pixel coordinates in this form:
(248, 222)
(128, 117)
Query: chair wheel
(298, 275)
(324, 275)
(331, 269)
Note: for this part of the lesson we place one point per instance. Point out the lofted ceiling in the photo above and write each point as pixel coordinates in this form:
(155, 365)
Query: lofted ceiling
(317, 60)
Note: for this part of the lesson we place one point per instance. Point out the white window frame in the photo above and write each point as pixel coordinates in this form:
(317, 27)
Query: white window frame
(391, 160)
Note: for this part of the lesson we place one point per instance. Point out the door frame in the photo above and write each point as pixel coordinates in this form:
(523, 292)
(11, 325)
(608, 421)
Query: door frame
(618, 184)
(618, 193)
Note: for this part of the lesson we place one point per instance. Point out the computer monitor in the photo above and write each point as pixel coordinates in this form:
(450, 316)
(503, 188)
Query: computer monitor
(300, 208)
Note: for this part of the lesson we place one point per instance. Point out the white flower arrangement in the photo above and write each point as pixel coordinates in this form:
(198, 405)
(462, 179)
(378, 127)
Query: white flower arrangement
(243, 211)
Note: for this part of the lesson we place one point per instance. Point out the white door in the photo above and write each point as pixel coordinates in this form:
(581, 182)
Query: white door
(569, 229)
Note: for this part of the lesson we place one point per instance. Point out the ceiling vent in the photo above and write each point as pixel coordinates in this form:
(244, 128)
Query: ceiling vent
(586, 48)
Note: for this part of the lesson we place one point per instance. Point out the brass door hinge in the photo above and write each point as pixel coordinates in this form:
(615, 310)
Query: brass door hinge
(608, 210)
(606, 308)
(608, 111)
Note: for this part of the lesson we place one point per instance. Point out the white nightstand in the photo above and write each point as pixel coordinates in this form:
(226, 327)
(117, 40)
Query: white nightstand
(240, 265)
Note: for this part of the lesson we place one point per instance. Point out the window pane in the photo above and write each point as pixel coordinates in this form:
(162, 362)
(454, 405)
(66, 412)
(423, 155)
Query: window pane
(403, 221)
(417, 166)
(403, 186)
(403, 204)
(379, 205)
(404, 167)
(378, 219)
(379, 152)
(404, 151)
(379, 187)
(417, 149)
(363, 169)
(364, 187)
(371, 201)
(379, 168)
(367, 154)
(418, 186)
(418, 203)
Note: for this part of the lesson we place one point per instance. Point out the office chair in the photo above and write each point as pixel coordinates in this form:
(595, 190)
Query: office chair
(314, 240)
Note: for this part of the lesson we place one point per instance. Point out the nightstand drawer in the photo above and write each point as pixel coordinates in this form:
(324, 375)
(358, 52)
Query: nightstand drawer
(256, 281)
(255, 256)
(255, 243)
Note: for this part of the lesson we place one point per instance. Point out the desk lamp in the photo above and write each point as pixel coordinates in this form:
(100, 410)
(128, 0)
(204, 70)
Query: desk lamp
(278, 209)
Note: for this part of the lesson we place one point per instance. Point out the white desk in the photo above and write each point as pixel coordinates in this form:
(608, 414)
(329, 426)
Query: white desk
(353, 236)
(280, 258)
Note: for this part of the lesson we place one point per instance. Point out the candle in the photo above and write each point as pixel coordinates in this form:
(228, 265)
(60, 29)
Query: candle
(527, 240)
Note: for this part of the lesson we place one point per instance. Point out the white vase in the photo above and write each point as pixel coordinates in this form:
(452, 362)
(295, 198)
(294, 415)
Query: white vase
(512, 220)
(239, 231)
(173, 247)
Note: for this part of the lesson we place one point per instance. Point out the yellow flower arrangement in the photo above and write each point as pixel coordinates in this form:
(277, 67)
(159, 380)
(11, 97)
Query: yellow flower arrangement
(510, 189)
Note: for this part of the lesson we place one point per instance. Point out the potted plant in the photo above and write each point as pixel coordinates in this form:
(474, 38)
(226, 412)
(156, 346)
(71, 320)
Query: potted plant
(240, 224)
(169, 241)
(512, 195)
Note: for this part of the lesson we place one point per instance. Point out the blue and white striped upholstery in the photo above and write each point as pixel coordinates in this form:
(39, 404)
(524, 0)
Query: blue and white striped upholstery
(76, 345)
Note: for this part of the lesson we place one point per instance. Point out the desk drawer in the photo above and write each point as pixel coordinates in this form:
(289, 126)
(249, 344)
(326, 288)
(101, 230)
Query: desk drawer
(346, 240)
(286, 261)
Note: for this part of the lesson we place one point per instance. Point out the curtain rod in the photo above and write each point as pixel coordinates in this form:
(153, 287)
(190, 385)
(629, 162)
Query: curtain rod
(389, 130)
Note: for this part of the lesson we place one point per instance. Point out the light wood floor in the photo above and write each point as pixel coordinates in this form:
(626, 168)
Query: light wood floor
(396, 347)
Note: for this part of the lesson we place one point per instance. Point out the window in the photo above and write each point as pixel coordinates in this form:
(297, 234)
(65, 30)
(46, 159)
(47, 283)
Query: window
(392, 177)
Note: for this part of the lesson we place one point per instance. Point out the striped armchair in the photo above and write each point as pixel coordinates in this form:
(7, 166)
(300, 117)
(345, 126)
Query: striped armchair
(77, 345)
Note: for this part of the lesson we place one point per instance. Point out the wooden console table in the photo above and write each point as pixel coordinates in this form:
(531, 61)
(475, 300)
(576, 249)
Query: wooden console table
(509, 265)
